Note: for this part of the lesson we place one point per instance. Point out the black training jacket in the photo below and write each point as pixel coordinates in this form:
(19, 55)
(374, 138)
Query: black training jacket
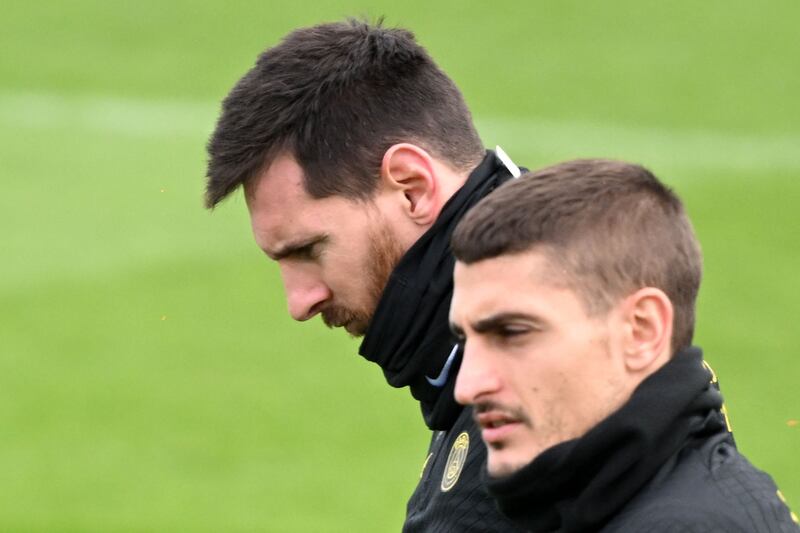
(665, 462)
(410, 339)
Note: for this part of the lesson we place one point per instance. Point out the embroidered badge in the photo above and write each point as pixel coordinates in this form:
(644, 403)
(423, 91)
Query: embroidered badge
(455, 461)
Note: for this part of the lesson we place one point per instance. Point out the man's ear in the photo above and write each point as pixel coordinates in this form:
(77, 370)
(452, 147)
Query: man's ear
(647, 315)
(409, 170)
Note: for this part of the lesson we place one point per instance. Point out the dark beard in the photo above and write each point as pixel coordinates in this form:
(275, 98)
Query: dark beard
(384, 254)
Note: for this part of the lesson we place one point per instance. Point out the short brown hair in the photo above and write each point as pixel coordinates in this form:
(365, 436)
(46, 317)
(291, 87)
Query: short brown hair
(613, 228)
(337, 96)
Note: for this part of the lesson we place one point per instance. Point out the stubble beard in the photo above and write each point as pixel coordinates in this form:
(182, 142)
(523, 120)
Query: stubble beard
(384, 254)
(498, 467)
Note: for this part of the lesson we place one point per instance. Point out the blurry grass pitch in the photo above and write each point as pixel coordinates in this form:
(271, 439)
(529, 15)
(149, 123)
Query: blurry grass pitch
(150, 379)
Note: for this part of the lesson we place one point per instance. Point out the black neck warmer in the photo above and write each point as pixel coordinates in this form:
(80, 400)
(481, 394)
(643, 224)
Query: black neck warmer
(580, 484)
(409, 336)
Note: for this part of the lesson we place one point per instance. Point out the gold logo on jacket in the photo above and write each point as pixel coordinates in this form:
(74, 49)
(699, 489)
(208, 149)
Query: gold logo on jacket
(455, 461)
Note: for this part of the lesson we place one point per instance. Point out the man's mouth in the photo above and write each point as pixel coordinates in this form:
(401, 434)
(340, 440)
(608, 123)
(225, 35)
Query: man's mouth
(496, 426)
(352, 323)
(337, 317)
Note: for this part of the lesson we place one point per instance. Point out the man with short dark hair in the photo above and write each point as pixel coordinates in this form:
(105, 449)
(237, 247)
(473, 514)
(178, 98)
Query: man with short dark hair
(358, 156)
(574, 297)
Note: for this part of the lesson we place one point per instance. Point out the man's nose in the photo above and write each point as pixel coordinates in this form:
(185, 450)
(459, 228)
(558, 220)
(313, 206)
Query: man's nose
(305, 293)
(477, 376)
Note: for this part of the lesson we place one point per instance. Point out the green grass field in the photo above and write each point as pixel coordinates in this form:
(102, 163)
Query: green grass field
(150, 379)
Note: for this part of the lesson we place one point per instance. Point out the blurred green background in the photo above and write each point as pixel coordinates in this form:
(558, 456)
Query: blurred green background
(150, 379)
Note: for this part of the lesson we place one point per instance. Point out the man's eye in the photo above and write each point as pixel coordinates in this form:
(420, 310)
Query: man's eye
(306, 252)
(512, 331)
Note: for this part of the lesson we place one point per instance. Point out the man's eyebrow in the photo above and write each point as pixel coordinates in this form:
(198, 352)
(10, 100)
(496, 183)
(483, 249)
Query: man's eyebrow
(293, 248)
(499, 320)
(456, 330)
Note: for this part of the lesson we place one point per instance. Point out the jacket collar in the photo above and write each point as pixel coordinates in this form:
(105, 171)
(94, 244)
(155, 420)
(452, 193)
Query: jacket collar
(580, 484)
(409, 336)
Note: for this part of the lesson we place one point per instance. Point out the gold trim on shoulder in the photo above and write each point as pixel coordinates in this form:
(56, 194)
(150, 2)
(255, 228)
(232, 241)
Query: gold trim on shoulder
(425, 465)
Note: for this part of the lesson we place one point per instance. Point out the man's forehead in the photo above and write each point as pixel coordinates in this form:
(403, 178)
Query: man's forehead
(281, 183)
(479, 288)
(278, 200)
(282, 228)
(283, 215)
(520, 267)
(506, 283)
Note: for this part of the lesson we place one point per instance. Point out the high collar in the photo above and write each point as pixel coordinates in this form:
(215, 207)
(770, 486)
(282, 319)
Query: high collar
(580, 484)
(409, 336)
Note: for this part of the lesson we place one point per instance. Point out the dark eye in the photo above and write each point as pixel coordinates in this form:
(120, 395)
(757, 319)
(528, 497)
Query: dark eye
(511, 331)
(307, 253)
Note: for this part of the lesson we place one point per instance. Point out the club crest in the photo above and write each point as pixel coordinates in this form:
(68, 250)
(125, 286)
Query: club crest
(455, 461)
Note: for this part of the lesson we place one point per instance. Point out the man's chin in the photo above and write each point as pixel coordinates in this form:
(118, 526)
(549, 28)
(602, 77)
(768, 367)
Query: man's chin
(499, 467)
(354, 326)
(356, 329)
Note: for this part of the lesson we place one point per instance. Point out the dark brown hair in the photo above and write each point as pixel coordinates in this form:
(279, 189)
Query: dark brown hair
(611, 227)
(337, 96)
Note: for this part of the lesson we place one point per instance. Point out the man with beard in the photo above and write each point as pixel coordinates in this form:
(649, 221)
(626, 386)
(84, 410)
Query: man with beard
(575, 297)
(358, 156)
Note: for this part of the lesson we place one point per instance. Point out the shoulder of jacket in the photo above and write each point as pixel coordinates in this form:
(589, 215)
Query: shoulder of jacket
(674, 517)
(708, 490)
